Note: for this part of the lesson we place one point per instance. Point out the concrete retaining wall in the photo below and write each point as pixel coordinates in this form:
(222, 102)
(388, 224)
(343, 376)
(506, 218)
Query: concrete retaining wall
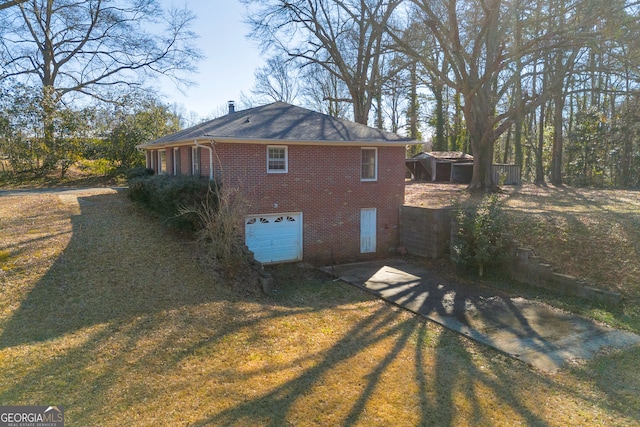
(528, 269)
(425, 232)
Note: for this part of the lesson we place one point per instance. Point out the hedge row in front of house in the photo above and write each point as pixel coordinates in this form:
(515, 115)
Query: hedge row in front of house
(170, 197)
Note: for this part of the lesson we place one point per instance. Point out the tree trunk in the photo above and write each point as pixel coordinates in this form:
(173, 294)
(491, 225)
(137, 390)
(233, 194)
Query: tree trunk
(517, 143)
(379, 116)
(48, 120)
(413, 100)
(507, 148)
(456, 143)
(479, 119)
(440, 143)
(556, 151)
(625, 161)
(360, 108)
(482, 179)
(520, 102)
(540, 149)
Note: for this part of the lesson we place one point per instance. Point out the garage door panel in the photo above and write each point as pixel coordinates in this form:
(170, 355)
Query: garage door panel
(275, 237)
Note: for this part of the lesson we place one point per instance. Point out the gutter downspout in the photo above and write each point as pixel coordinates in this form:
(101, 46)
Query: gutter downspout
(210, 158)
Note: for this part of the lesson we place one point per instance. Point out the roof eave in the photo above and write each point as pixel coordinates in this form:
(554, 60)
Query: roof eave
(270, 141)
(179, 142)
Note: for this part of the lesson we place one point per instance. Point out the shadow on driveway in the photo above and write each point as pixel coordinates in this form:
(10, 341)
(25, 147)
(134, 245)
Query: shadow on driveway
(544, 337)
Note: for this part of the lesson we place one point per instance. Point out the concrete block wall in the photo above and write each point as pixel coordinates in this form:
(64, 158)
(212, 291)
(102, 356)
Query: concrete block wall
(527, 268)
(428, 232)
(425, 232)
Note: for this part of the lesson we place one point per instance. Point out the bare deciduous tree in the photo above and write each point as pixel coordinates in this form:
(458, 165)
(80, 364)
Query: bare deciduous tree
(277, 80)
(96, 48)
(346, 38)
(487, 55)
(9, 3)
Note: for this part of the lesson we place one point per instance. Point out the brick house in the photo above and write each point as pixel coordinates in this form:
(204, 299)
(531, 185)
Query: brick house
(321, 189)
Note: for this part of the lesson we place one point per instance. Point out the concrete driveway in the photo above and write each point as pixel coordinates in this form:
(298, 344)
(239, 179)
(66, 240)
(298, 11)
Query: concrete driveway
(542, 336)
(68, 195)
(64, 191)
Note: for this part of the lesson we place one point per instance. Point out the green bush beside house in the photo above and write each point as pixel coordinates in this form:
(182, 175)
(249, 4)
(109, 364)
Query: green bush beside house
(479, 241)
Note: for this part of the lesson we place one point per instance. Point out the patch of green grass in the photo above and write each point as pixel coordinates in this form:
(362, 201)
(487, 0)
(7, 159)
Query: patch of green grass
(5, 258)
(98, 167)
(617, 375)
(626, 316)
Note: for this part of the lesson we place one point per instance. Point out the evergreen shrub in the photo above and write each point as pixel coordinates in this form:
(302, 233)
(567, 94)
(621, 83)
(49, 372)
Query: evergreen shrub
(168, 196)
(480, 239)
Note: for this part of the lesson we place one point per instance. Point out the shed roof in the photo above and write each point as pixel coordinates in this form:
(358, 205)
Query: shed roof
(444, 155)
(284, 123)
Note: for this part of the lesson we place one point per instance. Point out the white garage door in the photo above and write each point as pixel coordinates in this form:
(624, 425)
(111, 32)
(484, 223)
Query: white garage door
(275, 237)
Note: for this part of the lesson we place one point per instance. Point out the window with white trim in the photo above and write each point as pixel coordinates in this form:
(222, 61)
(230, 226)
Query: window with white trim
(195, 161)
(162, 162)
(176, 161)
(277, 159)
(369, 164)
(153, 159)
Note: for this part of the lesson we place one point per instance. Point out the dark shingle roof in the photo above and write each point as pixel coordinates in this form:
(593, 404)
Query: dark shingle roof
(444, 155)
(282, 122)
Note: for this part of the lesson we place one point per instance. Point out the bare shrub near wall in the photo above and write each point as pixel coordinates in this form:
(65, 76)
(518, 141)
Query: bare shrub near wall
(222, 217)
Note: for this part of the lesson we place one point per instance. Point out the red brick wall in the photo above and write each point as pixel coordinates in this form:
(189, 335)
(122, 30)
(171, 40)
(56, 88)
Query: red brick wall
(323, 182)
(204, 162)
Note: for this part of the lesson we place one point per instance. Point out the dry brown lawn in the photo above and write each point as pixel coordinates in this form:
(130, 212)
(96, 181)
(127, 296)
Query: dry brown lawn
(102, 313)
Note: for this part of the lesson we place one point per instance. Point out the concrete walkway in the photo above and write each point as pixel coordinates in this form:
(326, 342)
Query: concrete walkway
(68, 195)
(542, 336)
(63, 191)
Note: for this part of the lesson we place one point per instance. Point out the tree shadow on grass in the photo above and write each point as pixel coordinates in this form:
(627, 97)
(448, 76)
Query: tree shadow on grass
(454, 366)
(616, 375)
(114, 268)
(159, 336)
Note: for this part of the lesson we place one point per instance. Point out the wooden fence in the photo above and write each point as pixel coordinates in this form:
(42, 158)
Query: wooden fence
(511, 174)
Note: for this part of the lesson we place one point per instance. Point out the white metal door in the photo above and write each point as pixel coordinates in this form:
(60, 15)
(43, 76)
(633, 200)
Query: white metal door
(274, 237)
(368, 230)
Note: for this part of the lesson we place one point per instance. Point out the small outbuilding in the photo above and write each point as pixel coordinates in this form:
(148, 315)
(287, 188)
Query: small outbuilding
(437, 166)
(456, 167)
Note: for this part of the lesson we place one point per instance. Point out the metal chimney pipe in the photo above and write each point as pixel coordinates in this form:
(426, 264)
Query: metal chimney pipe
(232, 107)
